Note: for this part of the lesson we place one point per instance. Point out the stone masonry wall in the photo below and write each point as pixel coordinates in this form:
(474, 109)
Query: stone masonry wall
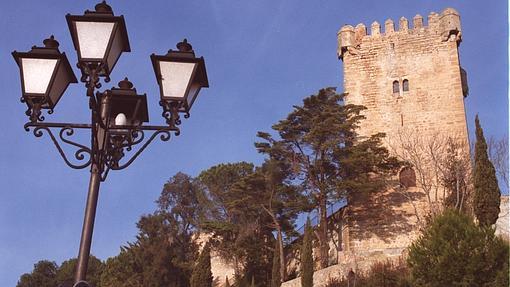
(380, 227)
(426, 57)
(503, 223)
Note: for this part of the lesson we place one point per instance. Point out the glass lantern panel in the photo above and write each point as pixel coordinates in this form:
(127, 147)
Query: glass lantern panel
(37, 74)
(175, 77)
(93, 38)
(192, 94)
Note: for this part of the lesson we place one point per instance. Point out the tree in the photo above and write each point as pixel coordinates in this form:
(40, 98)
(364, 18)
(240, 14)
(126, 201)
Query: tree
(455, 168)
(122, 270)
(164, 250)
(487, 196)
(442, 168)
(227, 284)
(275, 272)
(66, 271)
(319, 142)
(269, 190)
(454, 251)
(307, 257)
(43, 275)
(225, 218)
(202, 276)
(498, 154)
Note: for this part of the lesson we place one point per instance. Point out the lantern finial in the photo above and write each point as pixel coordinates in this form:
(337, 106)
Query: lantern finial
(51, 42)
(125, 84)
(103, 8)
(184, 46)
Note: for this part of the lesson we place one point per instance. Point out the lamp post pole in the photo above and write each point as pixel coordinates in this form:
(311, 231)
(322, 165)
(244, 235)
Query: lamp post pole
(88, 224)
(117, 114)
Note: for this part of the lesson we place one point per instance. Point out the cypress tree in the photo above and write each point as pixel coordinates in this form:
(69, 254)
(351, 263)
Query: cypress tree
(486, 190)
(202, 275)
(275, 272)
(307, 257)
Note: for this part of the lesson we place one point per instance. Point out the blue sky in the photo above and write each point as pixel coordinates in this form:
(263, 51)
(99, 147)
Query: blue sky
(262, 57)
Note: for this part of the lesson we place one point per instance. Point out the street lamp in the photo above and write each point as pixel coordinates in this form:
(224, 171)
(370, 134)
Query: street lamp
(118, 115)
(45, 74)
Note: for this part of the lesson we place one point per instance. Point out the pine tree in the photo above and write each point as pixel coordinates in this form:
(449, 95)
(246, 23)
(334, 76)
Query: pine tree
(486, 190)
(307, 257)
(319, 143)
(275, 272)
(202, 276)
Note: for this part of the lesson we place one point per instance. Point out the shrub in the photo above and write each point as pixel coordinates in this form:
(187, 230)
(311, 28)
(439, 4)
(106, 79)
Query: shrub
(381, 274)
(454, 251)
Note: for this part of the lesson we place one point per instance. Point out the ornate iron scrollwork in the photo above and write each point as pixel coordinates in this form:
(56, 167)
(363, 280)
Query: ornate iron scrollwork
(117, 147)
(82, 153)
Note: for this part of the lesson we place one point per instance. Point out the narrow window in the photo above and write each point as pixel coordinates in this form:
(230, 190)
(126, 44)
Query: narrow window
(396, 87)
(405, 85)
(407, 177)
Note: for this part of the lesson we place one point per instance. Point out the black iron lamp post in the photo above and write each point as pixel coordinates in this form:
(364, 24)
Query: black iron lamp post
(118, 115)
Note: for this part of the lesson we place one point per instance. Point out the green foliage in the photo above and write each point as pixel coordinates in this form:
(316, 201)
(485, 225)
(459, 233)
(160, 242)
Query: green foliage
(275, 271)
(307, 257)
(223, 220)
(454, 251)
(49, 274)
(240, 226)
(164, 250)
(43, 275)
(486, 199)
(318, 142)
(202, 276)
(66, 271)
(122, 270)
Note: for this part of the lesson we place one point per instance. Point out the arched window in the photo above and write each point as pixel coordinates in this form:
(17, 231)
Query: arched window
(407, 177)
(396, 87)
(405, 85)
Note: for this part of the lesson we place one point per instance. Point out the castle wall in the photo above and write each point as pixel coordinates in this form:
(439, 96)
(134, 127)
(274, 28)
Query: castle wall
(425, 56)
(503, 223)
(381, 226)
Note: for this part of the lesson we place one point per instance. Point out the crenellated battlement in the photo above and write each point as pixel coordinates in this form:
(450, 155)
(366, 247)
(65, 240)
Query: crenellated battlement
(444, 25)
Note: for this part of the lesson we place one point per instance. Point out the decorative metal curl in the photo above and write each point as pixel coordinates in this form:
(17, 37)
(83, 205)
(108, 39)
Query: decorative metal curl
(79, 154)
(114, 164)
(34, 113)
(171, 113)
(90, 73)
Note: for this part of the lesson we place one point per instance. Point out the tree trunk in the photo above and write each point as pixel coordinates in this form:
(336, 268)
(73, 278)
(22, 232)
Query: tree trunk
(323, 234)
(283, 269)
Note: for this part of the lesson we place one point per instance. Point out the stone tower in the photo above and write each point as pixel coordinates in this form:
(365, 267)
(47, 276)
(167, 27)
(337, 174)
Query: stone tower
(409, 79)
(406, 77)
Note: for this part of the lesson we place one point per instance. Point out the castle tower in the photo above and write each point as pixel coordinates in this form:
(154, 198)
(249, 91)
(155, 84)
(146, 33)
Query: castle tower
(409, 79)
(406, 76)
